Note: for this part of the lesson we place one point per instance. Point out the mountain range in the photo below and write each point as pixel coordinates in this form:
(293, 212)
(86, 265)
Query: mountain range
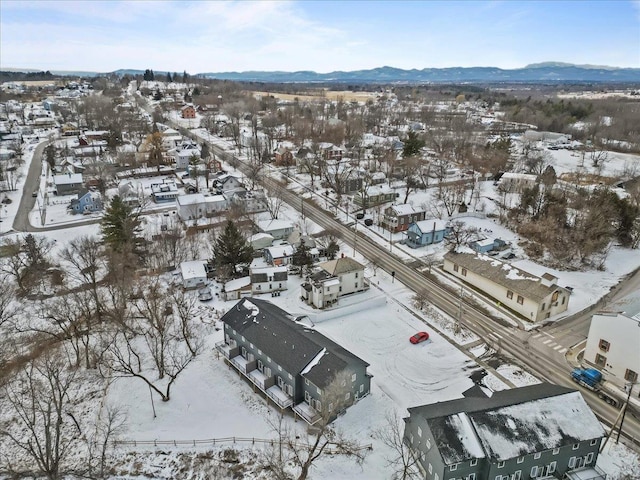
(547, 72)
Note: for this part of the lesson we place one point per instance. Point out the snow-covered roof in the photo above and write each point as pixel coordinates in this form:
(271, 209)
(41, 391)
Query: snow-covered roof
(67, 179)
(193, 269)
(191, 199)
(341, 265)
(272, 225)
(509, 424)
(237, 284)
(403, 209)
(280, 251)
(431, 224)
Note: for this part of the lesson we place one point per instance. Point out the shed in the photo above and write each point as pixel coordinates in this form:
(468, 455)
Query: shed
(193, 274)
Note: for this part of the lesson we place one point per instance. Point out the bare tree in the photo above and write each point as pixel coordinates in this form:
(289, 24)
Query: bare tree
(100, 442)
(41, 400)
(401, 460)
(8, 306)
(460, 234)
(302, 455)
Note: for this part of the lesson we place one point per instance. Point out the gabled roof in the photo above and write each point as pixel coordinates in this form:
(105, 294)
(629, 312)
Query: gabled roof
(290, 344)
(431, 224)
(509, 424)
(341, 265)
(505, 274)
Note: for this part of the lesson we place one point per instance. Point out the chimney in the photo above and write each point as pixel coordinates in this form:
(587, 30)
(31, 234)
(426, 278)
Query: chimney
(342, 255)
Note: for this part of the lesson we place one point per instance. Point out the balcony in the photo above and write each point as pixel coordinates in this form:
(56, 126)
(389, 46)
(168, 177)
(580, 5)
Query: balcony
(279, 397)
(307, 413)
(240, 363)
(227, 349)
(258, 378)
(586, 473)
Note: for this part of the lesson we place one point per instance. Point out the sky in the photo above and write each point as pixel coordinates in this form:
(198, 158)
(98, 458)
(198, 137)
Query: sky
(324, 36)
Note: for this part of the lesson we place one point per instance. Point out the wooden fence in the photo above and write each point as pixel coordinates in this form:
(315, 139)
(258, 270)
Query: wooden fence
(335, 449)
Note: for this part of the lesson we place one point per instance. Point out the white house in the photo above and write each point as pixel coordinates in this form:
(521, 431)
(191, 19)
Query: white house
(167, 191)
(260, 241)
(193, 274)
(197, 205)
(614, 340)
(535, 298)
(227, 182)
(335, 279)
(516, 182)
(279, 255)
(268, 279)
(237, 288)
(278, 229)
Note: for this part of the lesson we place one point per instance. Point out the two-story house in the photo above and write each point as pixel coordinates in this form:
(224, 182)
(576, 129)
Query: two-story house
(68, 184)
(614, 337)
(265, 279)
(537, 431)
(374, 195)
(164, 192)
(291, 363)
(426, 232)
(535, 298)
(188, 111)
(88, 202)
(334, 279)
(278, 229)
(397, 218)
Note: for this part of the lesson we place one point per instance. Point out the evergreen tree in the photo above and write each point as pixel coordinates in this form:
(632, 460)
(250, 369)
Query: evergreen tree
(302, 256)
(169, 79)
(120, 227)
(205, 153)
(332, 249)
(412, 145)
(185, 76)
(231, 249)
(50, 155)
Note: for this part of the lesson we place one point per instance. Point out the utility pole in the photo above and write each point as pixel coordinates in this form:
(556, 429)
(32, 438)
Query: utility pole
(459, 319)
(624, 409)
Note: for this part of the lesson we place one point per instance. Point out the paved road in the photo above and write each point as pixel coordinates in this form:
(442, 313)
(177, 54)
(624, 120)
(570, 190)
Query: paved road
(31, 184)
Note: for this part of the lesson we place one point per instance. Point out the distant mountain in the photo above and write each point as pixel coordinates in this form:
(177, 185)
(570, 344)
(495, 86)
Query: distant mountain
(546, 72)
(536, 73)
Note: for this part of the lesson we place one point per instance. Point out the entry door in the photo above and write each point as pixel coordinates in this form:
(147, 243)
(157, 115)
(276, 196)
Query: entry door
(280, 383)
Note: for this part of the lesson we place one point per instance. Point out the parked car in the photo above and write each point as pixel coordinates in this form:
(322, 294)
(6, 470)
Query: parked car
(204, 294)
(419, 337)
(360, 216)
(368, 222)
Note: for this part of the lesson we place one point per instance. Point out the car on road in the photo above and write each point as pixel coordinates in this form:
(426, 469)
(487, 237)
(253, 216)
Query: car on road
(368, 222)
(360, 216)
(419, 337)
(34, 194)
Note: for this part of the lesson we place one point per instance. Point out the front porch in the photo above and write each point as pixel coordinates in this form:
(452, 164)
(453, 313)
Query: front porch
(279, 397)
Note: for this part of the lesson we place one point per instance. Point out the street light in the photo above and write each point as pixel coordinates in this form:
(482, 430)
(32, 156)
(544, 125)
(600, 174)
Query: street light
(626, 406)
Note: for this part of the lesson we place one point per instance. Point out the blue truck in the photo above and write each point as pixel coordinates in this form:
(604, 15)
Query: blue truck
(591, 379)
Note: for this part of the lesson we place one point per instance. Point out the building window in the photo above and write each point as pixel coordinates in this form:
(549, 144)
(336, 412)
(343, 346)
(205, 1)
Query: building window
(347, 395)
(517, 475)
(589, 458)
(319, 391)
(552, 467)
(572, 462)
(290, 377)
(436, 477)
(537, 455)
(362, 388)
(472, 476)
(543, 306)
(430, 469)
(279, 368)
(306, 381)
(269, 359)
(464, 272)
(509, 294)
(594, 442)
(356, 274)
(604, 345)
(556, 451)
(474, 462)
(419, 432)
(259, 352)
(534, 472)
(575, 446)
(500, 464)
(455, 267)
(453, 468)
(630, 376)
(520, 459)
(520, 299)
(601, 360)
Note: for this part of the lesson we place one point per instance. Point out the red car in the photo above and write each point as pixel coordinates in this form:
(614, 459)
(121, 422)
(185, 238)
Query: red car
(419, 337)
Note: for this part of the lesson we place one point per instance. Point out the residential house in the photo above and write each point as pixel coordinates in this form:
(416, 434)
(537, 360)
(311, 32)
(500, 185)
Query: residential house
(517, 182)
(614, 340)
(397, 218)
(288, 361)
(375, 195)
(248, 201)
(426, 232)
(227, 182)
(88, 202)
(68, 184)
(260, 241)
(194, 274)
(197, 205)
(537, 431)
(535, 298)
(279, 254)
(334, 279)
(184, 154)
(486, 245)
(283, 157)
(278, 229)
(164, 192)
(188, 112)
(330, 152)
(265, 279)
(237, 288)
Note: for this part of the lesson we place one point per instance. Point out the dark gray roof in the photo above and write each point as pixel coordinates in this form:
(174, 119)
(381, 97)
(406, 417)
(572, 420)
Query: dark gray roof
(291, 345)
(509, 424)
